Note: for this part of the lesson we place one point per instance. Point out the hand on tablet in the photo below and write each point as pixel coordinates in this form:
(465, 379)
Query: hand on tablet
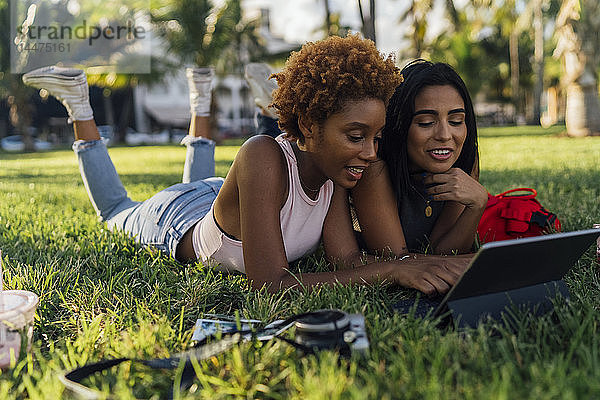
(430, 274)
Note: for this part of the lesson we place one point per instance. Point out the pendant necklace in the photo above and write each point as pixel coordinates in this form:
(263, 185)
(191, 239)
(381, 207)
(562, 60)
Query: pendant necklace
(428, 209)
(304, 186)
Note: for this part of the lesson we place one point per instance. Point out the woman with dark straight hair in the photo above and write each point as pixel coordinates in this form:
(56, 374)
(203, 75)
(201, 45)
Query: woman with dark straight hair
(423, 195)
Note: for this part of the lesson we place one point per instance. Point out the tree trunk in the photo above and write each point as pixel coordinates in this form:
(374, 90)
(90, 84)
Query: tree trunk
(327, 17)
(539, 61)
(577, 25)
(513, 48)
(109, 115)
(368, 22)
(583, 109)
(451, 10)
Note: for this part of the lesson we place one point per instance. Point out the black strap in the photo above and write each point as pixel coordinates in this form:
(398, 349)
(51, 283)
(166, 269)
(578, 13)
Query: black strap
(72, 380)
(542, 218)
(77, 375)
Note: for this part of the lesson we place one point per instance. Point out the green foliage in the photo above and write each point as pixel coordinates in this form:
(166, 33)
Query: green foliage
(416, 18)
(477, 45)
(102, 296)
(197, 31)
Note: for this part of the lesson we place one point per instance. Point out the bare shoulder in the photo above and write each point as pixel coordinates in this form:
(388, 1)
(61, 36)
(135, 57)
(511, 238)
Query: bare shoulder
(256, 182)
(261, 148)
(261, 164)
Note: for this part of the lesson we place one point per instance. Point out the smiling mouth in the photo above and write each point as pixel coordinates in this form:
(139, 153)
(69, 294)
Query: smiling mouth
(356, 170)
(440, 154)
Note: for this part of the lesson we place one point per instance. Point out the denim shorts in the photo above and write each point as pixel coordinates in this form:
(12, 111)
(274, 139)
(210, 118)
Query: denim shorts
(164, 218)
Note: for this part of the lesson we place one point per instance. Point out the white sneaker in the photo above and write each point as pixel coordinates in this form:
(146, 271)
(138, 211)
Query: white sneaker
(200, 85)
(257, 76)
(68, 85)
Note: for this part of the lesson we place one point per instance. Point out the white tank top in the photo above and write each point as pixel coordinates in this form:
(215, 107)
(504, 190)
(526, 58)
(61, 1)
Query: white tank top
(301, 221)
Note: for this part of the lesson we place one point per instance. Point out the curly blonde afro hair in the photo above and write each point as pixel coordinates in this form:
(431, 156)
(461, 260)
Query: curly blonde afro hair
(323, 76)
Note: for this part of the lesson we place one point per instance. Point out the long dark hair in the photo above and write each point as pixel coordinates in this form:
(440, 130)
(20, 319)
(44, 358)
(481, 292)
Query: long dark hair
(417, 75)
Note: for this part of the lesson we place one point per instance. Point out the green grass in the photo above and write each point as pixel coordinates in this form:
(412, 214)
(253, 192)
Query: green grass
(104, 297)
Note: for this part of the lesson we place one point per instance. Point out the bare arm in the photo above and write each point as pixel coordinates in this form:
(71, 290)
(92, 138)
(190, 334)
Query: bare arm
(466, 198)
(262, 190)
(455, 229)
(377, 211)
(264, 252)
(429, 274)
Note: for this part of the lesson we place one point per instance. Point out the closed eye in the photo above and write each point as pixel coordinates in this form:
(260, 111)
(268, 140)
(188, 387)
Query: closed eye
(456, 123)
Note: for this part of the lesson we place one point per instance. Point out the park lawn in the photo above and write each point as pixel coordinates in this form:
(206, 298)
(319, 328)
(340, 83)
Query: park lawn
(104, 297)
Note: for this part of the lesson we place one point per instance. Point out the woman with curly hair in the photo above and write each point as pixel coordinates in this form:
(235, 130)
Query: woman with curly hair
(423, 196)
(281, 196)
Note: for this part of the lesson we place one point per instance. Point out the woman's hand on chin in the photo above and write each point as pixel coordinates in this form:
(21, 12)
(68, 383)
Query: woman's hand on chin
(456, 185)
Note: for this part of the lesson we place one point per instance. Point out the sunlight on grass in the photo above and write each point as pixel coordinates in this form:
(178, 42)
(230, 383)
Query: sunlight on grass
(104, 297)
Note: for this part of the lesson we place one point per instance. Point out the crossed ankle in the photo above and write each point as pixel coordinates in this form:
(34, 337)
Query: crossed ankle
(200, 90)
(190, 140)
(82, 144)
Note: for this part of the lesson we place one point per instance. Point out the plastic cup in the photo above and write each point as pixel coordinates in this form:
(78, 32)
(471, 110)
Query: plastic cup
(17, 308)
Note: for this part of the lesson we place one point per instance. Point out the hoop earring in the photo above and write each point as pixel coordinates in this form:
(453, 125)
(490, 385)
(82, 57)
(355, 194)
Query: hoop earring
(301, 146)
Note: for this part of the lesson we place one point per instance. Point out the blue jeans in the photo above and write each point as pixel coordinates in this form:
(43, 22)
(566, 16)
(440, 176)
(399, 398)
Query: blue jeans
(164, 218)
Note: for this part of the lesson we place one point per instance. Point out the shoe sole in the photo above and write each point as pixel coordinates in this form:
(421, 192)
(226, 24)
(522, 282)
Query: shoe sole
(53, 75)
(53, 79)
(53, 70)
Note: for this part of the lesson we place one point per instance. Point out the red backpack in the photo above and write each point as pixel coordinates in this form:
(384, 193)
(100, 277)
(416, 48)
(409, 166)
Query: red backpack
(515, 216)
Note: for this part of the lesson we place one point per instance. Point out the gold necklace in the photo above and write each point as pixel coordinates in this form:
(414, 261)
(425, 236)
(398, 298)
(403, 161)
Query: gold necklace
(428, 209)
(304, 186)
(302, 148)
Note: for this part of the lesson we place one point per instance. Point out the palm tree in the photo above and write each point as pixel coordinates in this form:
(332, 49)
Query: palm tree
(512, 23)
(200, 33)
(332, 25)
(578, 47)
(327, 17)
(516, 21)
(368, 20)
(538, 56)
(203, 33)
(417, 16)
